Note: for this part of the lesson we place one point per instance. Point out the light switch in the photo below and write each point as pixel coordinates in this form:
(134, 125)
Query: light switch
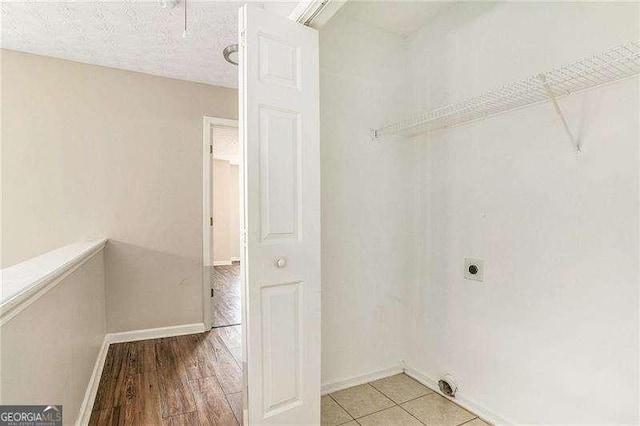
(474, 269)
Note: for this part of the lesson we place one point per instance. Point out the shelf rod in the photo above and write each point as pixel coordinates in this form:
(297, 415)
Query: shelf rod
(556, 107)
(615, 64)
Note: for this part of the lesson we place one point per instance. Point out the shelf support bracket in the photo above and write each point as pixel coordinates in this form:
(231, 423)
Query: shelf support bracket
(556, 107)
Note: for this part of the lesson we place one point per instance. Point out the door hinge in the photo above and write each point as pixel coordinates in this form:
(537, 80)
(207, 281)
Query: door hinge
(211, 292)
(211, 221)
(210, 149)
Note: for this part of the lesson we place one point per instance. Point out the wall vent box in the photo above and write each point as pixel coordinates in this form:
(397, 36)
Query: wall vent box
(474, 269)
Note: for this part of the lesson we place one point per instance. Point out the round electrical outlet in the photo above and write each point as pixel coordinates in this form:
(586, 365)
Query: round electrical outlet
(473, 269)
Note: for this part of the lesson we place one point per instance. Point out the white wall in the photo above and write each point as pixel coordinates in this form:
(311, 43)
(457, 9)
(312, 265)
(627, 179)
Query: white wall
(89, 151)
(366, 200)
(552, 334)
(221, 212)
(234, 211)
(48, 350)
(226, 215)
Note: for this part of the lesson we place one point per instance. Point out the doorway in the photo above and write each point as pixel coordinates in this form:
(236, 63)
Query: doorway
(221, 238)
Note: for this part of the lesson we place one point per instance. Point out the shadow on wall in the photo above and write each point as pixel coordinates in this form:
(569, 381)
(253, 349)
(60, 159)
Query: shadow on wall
(149, 288)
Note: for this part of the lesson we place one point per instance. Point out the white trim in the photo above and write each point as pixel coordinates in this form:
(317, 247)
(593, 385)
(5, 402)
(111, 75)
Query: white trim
(359, 380)
(460, 399)
(37, 276)
(128, 336)
(207, 256)
(222, 263)
(322, 9)
(304, 9)
(155, 333)
(235, 259)
(92, 388)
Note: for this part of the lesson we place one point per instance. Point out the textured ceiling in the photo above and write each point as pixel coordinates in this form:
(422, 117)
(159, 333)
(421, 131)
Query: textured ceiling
(136, 36)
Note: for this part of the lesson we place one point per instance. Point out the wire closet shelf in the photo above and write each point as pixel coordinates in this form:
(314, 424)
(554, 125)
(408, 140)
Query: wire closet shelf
(606, 67)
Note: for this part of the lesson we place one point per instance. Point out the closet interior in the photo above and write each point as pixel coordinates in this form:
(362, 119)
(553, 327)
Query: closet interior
(503, 135)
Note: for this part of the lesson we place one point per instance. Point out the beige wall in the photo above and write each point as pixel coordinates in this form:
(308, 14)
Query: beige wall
(90, 151)
(54, 364)
(226, 219)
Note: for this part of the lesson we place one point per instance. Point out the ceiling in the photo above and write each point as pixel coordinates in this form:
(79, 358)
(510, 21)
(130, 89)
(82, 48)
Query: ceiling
(398, 17)
(145, 37)
(133, 35)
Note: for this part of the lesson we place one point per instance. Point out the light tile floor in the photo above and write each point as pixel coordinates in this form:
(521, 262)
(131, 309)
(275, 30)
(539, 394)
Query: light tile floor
(396, 400)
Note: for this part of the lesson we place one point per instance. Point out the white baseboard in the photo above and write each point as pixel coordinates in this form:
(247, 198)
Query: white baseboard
(128, 336)
(92, 388)
(359, 380)
(155, 333)
(460, 399)
(427, 380)
(222, 263)
(178, 330)
(235, 259)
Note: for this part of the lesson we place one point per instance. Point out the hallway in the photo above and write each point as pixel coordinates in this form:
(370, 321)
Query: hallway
(190, 379)
(226, 300)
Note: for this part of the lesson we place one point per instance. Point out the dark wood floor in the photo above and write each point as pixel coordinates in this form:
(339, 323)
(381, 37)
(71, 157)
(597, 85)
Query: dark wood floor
(183, 380)
(226, 300)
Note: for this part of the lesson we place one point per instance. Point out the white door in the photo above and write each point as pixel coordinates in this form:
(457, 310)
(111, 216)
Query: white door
(279, 130)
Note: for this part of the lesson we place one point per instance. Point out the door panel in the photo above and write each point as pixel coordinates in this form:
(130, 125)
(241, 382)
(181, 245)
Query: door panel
(279, 173)
(279, 120)
(279, 62)
(281, 352)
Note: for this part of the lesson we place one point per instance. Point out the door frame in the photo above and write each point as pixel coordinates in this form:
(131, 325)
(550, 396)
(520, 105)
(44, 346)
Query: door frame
(207, 211)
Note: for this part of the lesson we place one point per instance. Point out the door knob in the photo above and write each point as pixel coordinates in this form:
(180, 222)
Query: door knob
(281, 262)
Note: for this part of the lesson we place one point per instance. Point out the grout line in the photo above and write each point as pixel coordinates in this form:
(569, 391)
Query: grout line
(386, 408)
(451, 400)
(436, 393)
(405, 410)
(378, 411)
(395, 404)
(398, 404)
(476, 417)
(345, 410)
(404, 402)
(381, 393)
(417, 397)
